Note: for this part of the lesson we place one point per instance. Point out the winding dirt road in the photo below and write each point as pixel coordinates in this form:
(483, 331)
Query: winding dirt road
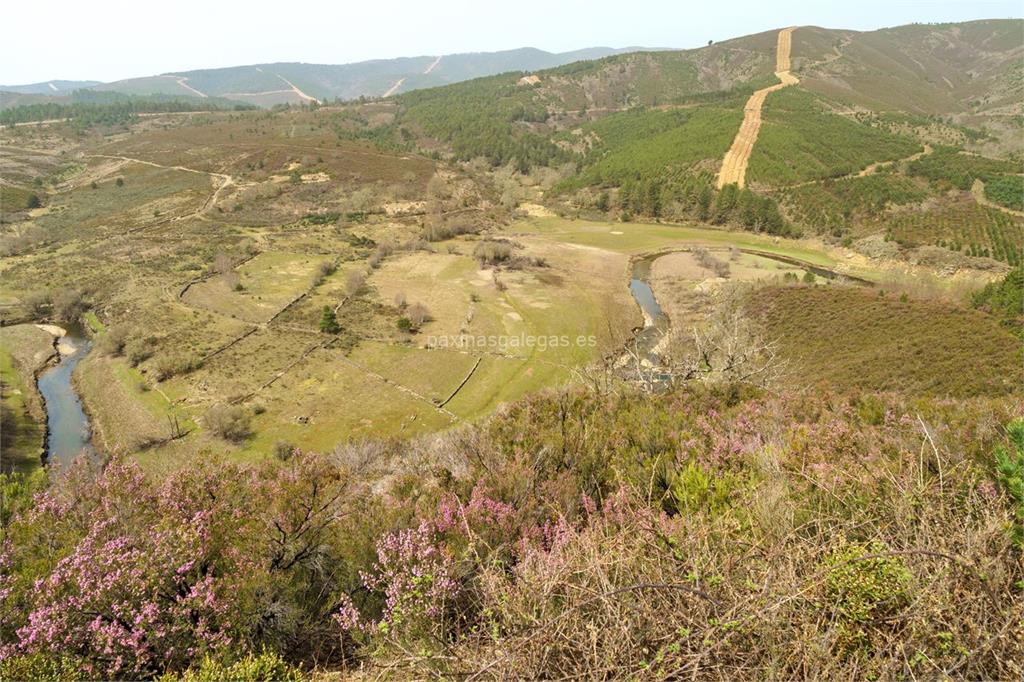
(182, 82)
(295, 89)
(978, 192)
(225, 181)
(734, 164)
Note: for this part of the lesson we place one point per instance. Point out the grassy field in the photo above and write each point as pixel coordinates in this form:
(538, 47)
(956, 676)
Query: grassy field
(24, 350)
(506, 319)
(636, 238)
(265, 285)
(21, 435)
(127, 415)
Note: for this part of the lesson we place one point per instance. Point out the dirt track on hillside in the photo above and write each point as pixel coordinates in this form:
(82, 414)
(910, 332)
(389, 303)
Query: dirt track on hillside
(394, 87)
(433, 65)
(978, 192)
(734, 164)
(225, 181)
(303, 96)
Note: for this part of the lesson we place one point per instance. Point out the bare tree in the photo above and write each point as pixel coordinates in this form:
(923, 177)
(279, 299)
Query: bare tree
(437, 188)
(729, 348)
(707, 261)
(68, 305)
(355, 281)
(233, 280)
(37, 302)
(418, 315)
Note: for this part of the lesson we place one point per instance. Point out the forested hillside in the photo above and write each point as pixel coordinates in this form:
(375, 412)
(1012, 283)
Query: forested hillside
(646, 134)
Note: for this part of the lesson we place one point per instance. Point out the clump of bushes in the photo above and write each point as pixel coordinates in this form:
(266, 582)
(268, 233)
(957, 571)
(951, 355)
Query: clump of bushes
(355, 282)
(708, 261)
(230, 422)
(262, 667)
(113, 341)
(140, 349)
(439, 231)
(864, 585)
(786, 536)
(323, 270)
(170, 365)
(69, 305)
(283, 450)
(1004, 298)
(492, 252)
(416, 315)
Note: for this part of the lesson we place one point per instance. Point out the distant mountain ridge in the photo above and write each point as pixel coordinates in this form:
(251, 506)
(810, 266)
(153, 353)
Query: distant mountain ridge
(57, 87)
(296, 82)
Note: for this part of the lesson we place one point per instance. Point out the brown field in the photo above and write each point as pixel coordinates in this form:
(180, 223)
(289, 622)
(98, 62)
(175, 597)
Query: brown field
(862, 339)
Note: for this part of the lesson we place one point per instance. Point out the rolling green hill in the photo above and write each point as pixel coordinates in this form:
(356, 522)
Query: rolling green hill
(909, 133)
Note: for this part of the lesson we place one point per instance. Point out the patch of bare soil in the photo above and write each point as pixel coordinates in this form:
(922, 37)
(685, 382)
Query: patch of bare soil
(734, 164)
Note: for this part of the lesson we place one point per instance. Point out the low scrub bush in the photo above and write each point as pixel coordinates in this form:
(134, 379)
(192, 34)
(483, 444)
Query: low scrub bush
(140, 349)
(492, 252)
(113, 341)
(170, 365)
(229, 422)
(706, 534)
(264, 667)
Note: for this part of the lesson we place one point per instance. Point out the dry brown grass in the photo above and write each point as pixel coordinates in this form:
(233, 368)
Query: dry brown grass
(868, 339)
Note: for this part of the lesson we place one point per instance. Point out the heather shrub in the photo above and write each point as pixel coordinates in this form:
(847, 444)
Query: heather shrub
(701, 534)
(424, 574)
(133, 589)
(134, 577)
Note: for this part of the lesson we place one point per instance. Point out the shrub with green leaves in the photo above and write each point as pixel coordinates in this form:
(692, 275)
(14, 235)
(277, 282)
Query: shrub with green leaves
(1010, 475)
(261, 667)
(864, 584)
(42, 668)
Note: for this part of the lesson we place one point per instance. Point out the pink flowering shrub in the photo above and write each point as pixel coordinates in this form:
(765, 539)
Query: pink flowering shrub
(133, 607)
(142, 589)
(586, 536)
(423, 573)
(133, 575)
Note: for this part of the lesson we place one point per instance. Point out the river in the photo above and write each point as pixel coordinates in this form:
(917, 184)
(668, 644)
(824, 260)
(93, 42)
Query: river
(657, 323)
(67, 426)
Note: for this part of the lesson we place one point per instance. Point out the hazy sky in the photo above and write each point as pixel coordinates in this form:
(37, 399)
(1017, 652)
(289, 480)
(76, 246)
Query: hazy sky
(105, 40)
